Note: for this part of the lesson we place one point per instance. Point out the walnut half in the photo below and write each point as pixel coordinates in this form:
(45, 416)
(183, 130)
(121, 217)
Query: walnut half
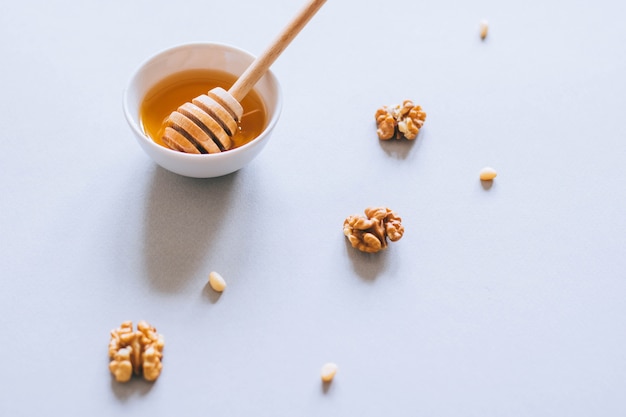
(399, 121)
(370, 233)
(137, 352)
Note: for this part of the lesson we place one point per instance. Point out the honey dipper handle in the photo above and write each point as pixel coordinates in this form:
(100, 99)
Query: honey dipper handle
(262, 63)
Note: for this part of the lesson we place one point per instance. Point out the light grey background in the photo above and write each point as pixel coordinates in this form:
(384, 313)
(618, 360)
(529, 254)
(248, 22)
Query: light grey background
(506, 301)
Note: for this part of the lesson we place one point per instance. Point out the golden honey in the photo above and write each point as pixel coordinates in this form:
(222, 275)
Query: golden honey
(177, 89)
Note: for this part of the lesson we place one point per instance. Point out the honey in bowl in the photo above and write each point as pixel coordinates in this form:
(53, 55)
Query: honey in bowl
(177, 89)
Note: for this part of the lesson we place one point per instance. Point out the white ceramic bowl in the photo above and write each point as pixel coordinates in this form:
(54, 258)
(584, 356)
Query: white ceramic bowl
(199, 56)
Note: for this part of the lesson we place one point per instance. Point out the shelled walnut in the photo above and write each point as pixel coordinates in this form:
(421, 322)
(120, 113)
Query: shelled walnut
(137, 352)
(369, 234)
(400, 121)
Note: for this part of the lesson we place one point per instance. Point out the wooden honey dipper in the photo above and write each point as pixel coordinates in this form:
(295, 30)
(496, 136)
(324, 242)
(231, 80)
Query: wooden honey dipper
(207, 123)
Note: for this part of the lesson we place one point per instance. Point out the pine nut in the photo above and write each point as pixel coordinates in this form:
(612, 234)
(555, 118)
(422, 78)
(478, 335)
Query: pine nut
(328, 371)
(487, 174)
(484, 28)
(217, 282)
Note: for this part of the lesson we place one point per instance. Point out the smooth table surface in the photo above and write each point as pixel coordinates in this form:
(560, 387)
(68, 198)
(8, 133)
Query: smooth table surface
(500, 301)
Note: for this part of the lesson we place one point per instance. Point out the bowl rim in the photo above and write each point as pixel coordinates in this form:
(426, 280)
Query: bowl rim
(134, 122)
